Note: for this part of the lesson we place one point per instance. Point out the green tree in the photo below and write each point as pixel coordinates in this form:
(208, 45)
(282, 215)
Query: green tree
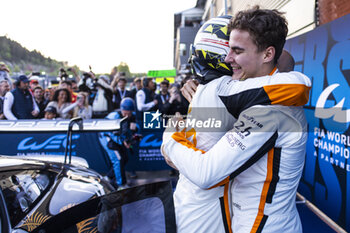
(123, 67)
(16, 69)
(26, 60)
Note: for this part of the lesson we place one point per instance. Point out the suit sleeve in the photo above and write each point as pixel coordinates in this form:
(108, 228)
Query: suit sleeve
(288, 89)
(252, 136)
(140, 99)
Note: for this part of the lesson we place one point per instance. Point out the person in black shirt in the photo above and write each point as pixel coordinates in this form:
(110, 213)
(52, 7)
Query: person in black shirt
(120, 92)
(177, 102)
(163, 97)
(137, 87)
(38, 93)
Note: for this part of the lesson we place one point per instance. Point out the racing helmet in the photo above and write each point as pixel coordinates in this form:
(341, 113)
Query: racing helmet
(127, 104)
(209, 50)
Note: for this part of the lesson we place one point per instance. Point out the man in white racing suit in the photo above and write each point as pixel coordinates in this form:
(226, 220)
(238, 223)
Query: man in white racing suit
(239, 151)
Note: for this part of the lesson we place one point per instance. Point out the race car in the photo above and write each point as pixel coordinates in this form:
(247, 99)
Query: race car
(33, 190)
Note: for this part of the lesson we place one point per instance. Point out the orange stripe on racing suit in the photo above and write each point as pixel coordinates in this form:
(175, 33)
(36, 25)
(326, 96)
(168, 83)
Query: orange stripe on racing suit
(227, 207)
(180, 138)
(281, 94)
(259, 218)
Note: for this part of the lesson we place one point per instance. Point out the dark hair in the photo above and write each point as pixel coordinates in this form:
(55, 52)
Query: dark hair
(51, 109)
(57, 92)
(122, 79)
(38, 87)
(165, 82)
(69, 83)
(266, 27)
(146, 81)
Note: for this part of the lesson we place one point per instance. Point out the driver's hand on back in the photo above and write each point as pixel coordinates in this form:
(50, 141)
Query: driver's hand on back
(189, 89)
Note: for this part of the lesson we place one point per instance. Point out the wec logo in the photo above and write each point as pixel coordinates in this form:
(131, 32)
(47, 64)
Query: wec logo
(337, 112)
(150, 141)
(53, 143)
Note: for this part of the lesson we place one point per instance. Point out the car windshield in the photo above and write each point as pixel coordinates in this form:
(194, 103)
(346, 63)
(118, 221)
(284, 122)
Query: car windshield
(21, 189)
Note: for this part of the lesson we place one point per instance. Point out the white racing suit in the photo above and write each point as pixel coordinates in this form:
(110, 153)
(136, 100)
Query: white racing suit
(191, 202)
(200, 210)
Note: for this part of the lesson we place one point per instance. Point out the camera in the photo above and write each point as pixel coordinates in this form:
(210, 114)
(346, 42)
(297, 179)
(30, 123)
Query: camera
(94, 84)
(63, 74)
(134, 139)
(122, 73)
(88, 84)
(36, 74)
(86, 75)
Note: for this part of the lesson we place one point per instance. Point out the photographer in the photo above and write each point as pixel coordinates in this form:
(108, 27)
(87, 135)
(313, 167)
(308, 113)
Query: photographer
(101, 93)
(176, 103)
(85, 84)
(62, 74)
(66, 83)
(122, 142)
(120, 92)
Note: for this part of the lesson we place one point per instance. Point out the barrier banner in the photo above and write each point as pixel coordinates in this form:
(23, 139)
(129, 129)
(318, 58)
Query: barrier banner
(149, 156)
(145, 155)
(323, 54)
(40, 137)
(84, 144)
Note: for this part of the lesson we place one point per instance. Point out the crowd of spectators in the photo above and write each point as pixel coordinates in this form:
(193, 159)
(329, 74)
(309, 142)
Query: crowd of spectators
(87, 96)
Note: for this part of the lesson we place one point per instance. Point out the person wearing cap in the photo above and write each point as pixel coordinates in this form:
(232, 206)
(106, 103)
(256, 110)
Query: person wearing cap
(4, 73)
(50, 113)
(102, 101)
(33, 84)
(19, 103)
(120, 145)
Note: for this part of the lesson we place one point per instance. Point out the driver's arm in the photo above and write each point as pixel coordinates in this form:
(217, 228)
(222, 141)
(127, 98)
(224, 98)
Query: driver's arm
(236, 151)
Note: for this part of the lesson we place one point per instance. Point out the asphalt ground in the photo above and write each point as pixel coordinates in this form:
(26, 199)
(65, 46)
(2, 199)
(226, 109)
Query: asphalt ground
(310, 221)
(146, 177)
